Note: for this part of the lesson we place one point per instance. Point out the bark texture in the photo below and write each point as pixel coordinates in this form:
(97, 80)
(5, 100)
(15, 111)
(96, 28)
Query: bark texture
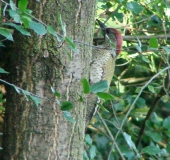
(35, 63)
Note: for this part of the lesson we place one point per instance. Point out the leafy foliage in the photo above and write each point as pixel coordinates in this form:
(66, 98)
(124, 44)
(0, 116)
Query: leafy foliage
(135, 123)
(23, 20)
(138, 116)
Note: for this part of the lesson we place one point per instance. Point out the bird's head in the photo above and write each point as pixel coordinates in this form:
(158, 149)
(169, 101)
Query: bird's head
(113, 35)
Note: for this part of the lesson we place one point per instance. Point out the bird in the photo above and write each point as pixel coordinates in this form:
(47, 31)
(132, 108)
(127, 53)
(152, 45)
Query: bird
(102, 64)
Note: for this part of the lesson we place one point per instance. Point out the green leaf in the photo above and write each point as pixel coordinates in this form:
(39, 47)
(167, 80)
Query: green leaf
(166, 48)
(102, 107)
(168, 147)
(81, 99)
(109, 5)
(1, 44)
(72, 46)
(99, 86)
(19, 28)
(151, 88)
(16, 89)
(138, 49)
(105, 96)
(38, 28)
(57, 94)
(85, 156)
(14, 14)
(26, 93)
(153, 43)
(157, 137)
(54, 33)
(36, 100)
(22, 5)
(166, 123)
(69, 54)
(140, 103)
(88, 140)
(2, 109)
(152, 150)
(66, 106)
(63, 26)
(120, 106)
(86, 86)
(52, 89)
(145, 59)
(12, 5)
(134, 7)
(129, 141)
(26, 20)
(6, 34)
(92, 152)
(68, 116)
(3, 71)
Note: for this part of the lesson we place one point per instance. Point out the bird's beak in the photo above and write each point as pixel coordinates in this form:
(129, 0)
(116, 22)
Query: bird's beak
(102, 25)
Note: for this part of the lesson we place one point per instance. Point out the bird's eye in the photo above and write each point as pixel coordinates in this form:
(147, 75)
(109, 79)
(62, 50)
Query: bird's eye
(108, 31)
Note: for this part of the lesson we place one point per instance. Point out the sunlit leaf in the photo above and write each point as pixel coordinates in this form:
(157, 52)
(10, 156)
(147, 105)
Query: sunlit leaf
(22, 5)
(86, 86)
(153, 43)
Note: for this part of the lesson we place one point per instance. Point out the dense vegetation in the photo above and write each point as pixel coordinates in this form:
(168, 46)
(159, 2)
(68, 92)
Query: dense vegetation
(135, 123)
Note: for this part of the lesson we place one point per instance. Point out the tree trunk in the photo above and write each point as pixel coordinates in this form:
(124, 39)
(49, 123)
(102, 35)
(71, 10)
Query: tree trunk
(36, 63)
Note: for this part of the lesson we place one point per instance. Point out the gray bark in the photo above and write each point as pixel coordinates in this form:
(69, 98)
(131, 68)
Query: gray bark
(35, 64)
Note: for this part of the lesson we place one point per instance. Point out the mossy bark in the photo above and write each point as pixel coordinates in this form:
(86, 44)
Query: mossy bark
(36, 63)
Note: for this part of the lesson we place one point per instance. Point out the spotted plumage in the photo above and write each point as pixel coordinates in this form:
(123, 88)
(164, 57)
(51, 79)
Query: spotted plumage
(103, 64)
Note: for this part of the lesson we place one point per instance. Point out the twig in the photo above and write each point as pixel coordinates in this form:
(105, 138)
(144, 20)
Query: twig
(146, 37)
(111, 136)
(142, 129)
(132, 106)
(12, 85)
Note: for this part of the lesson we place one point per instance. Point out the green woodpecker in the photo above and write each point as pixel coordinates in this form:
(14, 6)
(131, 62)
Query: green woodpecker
(103, 64)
